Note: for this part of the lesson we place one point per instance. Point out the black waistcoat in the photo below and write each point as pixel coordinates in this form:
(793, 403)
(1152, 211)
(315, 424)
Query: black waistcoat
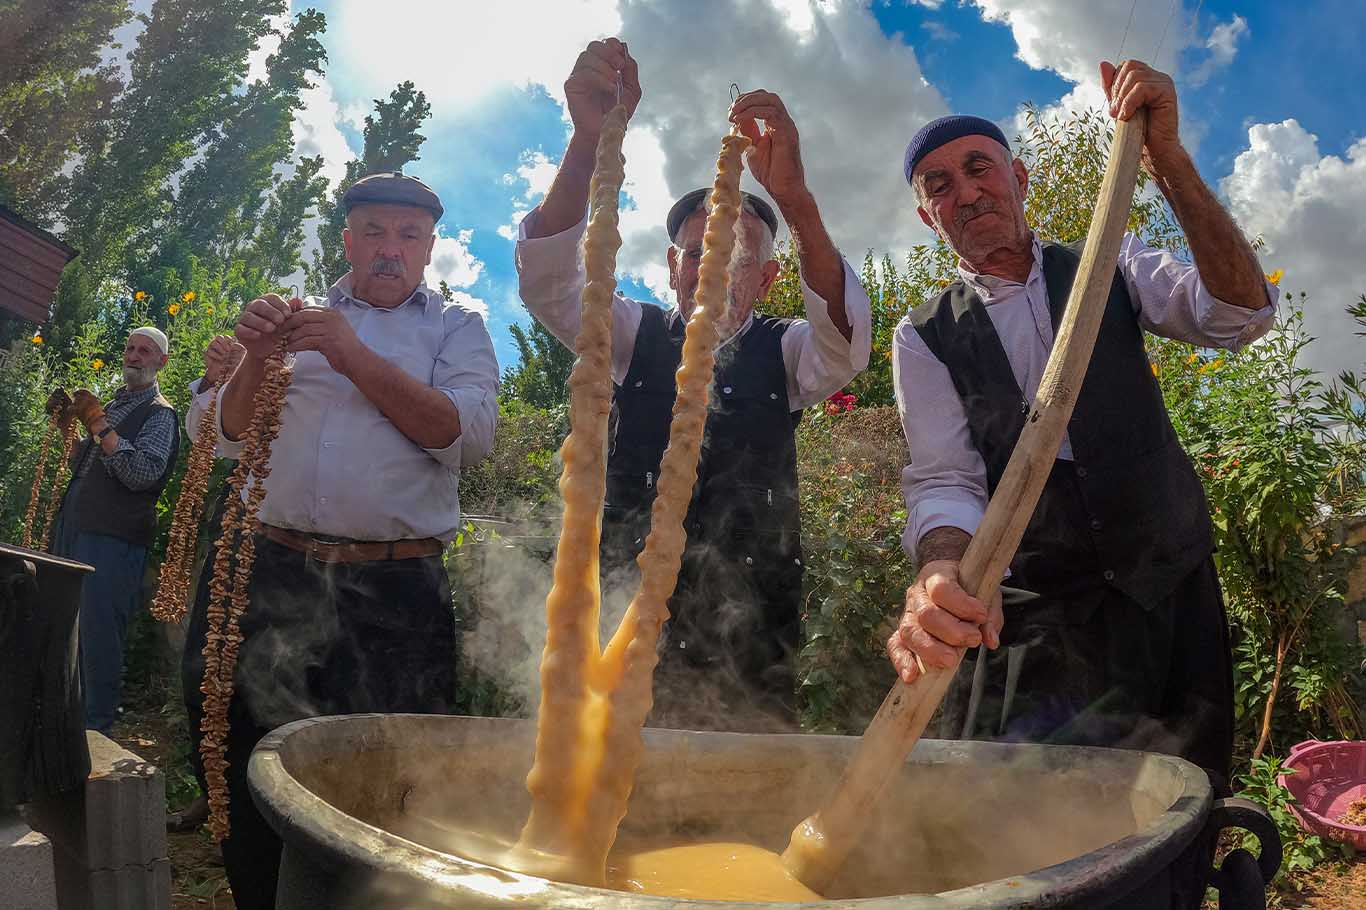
(743, 524)
(99, 503)
(1128, 511)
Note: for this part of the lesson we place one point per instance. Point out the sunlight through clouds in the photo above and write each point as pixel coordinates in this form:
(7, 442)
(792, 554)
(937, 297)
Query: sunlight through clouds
(457, 51)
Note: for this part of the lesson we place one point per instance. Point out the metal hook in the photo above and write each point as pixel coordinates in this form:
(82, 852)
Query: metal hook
(734, 92)
(618, 87)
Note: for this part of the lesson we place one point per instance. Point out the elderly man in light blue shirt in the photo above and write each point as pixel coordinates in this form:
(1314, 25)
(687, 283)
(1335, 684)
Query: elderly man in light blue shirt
(394, 389)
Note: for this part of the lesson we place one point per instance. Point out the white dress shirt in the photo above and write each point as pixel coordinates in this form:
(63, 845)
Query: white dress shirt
(199, 403)
(340, 468)
(945, 484)
(819, 360)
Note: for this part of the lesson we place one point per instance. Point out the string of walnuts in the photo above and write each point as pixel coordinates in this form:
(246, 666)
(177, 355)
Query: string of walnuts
(173, 586)
(36, 493)
(70, 434)
(228, 589)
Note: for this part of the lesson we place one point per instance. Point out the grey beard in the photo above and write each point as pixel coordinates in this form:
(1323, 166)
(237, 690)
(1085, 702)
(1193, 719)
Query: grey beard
(139, 377)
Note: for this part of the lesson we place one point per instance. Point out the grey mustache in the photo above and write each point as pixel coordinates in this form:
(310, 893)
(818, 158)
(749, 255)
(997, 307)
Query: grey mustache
(978, 208)
(387, 267)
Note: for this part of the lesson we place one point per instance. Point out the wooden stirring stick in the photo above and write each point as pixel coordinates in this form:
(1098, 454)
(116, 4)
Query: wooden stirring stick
(820, 843)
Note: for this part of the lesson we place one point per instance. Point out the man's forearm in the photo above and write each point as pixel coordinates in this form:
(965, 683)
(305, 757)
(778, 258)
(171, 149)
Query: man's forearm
(822, 268)
(942, 543)
(1226, 262)
(239, 397)
(567, 199)
(423, 414)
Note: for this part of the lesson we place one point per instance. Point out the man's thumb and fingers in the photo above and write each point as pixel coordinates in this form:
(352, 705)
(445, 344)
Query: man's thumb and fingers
(942, 619)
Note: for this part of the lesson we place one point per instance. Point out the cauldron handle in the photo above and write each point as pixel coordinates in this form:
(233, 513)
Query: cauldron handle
(1242, 879)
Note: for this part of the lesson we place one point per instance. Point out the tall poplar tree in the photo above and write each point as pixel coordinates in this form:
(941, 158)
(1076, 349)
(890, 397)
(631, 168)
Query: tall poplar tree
(53, 86)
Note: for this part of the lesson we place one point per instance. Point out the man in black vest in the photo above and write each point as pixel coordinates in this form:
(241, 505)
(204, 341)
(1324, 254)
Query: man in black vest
(108, 514)
(726, 662)
(1127, 644)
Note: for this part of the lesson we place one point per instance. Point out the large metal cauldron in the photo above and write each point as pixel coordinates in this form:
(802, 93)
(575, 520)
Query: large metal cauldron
(365, 805)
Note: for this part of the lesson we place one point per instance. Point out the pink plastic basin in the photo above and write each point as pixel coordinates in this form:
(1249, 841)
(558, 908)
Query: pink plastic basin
(1329, 777)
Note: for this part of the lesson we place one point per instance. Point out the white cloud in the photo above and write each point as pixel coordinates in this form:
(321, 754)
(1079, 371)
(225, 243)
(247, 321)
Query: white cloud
(855, 95)
(453, 262)
(1222, 45)
(537, 172)
(457, 52)
(316, 132)
(1307, 209)
(1072, 38)
(268, 45)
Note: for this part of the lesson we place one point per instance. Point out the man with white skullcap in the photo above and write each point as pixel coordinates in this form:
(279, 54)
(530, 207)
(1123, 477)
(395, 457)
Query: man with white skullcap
(108, 514)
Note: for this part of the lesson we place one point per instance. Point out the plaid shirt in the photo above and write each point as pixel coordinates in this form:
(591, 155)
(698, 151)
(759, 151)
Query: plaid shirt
(139, 462)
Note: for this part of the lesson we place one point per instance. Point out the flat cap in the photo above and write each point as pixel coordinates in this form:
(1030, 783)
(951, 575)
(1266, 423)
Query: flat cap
(392, 188)
(941, 132)
(691, 202)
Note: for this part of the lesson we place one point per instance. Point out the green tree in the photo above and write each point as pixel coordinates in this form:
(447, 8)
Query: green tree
(392, 141)
(219, 202)
(541, 375)
(189, 63)
(52, 89)
(217, 212)
(276, 248)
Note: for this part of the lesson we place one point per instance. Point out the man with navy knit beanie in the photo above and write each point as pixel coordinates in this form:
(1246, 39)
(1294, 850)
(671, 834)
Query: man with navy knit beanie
(1127, 643)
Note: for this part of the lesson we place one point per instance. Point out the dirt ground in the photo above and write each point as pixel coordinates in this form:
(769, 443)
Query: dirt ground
(153, 727)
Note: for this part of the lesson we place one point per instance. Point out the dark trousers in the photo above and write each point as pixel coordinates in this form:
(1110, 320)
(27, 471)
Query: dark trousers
(1107, 671)
(317, 640)
(108, 600)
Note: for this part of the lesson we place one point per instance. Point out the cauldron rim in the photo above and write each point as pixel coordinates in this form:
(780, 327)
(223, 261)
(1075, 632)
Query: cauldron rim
(44, 557)
(1106, 873)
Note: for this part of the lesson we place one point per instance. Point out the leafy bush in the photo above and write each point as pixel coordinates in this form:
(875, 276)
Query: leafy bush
(856, 572)
(1302, 850)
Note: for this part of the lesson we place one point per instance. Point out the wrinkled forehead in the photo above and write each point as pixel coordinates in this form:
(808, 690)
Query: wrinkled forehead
(695, 225)
(142, 344)
(388, 216)
(956, 156)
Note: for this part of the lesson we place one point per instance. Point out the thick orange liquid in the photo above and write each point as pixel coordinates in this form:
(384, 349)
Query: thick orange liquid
(713, 871)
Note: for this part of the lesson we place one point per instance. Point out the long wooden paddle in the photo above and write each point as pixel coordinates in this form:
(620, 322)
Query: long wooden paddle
(820, 844)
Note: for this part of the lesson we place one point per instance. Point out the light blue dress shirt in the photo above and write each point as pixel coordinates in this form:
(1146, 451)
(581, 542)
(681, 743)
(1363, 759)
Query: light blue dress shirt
(340, 468)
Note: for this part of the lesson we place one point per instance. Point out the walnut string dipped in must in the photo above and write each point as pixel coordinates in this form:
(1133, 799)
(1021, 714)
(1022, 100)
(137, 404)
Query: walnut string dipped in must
(594, 702)
(36, 493)
(173, 585)
(552, 841)
(234, 556)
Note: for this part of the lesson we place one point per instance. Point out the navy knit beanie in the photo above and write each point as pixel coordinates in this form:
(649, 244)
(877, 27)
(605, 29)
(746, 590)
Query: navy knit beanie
(943, 131)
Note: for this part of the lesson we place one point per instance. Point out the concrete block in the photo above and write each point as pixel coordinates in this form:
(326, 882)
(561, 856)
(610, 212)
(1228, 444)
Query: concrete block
(27, 879)
(110, 837)
(132, 888)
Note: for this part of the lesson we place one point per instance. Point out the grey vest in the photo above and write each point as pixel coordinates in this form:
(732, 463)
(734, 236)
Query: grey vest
(100, 504)
(1128, 512)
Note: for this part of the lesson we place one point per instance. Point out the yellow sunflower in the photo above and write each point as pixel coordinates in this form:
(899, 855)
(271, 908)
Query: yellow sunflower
(1275, 277)
(187, 297)
(140, 296)
(173, 309)
(97, 364)
(37, 338)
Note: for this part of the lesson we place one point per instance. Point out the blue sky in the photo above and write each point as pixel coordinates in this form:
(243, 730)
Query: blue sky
(1267, 101)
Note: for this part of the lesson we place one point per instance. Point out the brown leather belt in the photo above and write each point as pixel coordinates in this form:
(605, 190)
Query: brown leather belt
(335, 551)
